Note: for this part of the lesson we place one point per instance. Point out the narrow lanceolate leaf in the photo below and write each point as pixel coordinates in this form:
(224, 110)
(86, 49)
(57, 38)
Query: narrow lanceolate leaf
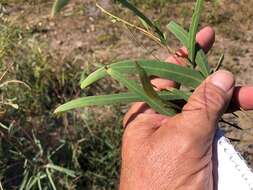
(98, 101)
(201, 58)
(144, 18)
(147, 86)
(202, 62)
(137, 89)
(181, 94)
(149, 89)
(58, 6)
(183, 75)
(146, 26)
(93, 77)
(122, 98)
(179, 32)
(193, 30)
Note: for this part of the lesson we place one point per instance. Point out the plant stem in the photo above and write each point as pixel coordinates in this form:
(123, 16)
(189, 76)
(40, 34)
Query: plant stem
(150, 35)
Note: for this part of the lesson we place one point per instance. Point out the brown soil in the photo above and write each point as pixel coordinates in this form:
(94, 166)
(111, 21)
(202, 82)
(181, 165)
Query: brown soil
(89, 36)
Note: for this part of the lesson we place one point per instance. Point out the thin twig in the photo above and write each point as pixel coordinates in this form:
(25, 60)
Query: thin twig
(231, 124)
(150, 35)
(233, 139)
(234, 114)
(15, 82)
(140, 44)
(8, 68)
(219, 63)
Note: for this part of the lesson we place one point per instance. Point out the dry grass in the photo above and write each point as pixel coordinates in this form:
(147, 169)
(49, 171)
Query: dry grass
(47, 54)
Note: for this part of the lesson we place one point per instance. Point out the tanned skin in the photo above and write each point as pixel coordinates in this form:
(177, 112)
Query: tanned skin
(174, 153)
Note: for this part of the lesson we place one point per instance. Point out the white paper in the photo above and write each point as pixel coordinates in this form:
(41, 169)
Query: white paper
(232, 172)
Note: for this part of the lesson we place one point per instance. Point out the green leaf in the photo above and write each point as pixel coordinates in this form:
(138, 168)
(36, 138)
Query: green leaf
(61, 169)
(183, 75)
(181, 94)
(39, 177)
(93, 77)
(24, 181)
(39, 184)
(149, 89)
(51, 181)
(58, 6)
(32, 181)
(108, 100)
(182, 35)
(179, 32)
(147, 86)
(202, 62)
(4, 126)
(146, 26)
(144, 18)
(98, 101)
(136, 89)
(193, 30)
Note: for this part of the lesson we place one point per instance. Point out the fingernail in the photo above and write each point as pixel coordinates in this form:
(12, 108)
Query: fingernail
(223, 79)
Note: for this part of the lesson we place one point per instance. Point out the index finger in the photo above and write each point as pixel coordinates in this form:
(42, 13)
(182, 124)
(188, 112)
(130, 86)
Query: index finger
(205, 38)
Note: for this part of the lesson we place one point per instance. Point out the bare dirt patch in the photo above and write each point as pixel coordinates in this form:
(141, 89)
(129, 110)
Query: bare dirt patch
(84, 35)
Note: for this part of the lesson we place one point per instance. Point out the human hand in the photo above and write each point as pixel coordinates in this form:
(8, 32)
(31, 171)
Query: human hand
(161, 152)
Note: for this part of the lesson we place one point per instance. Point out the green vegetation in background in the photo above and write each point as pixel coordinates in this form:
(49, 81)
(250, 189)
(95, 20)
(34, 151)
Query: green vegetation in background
(71, 152)
(190, 76)
(81, 141)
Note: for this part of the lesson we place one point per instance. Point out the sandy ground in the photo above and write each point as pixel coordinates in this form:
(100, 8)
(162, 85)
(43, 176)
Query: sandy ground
(90, 37)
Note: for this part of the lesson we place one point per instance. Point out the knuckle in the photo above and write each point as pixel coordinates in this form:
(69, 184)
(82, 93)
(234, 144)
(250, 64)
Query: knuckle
(130, 129)
(208, 97)
(216, 98)
(128, 134)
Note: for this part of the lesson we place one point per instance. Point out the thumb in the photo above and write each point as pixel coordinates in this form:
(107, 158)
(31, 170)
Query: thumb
(208, 102)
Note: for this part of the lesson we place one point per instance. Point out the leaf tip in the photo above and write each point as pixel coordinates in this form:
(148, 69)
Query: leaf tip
(57, 110)
(83, 85)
